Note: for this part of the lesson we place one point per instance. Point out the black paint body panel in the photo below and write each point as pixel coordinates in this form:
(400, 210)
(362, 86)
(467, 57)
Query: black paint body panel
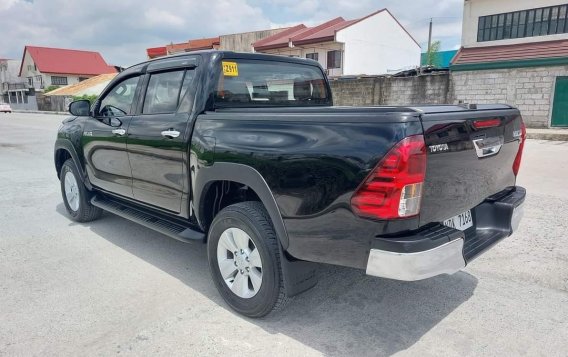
(312, 166)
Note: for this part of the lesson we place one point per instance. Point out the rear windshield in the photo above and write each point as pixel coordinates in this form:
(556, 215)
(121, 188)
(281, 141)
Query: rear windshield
(257, 83)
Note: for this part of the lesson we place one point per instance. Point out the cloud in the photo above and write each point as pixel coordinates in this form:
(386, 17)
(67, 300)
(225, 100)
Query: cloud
(6, 4)
(157, 17)
(122, 29)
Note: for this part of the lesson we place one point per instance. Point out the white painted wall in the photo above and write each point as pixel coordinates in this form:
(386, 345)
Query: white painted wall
(473, 9)
(320, 48)
(377, 45)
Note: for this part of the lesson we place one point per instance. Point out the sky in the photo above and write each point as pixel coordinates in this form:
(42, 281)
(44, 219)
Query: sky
(121, 30)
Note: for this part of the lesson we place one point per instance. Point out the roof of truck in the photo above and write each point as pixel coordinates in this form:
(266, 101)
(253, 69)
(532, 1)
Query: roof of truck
(229, 54)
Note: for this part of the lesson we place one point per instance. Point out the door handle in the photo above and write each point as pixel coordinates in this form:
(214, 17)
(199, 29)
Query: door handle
(119, 131)
(170, 134)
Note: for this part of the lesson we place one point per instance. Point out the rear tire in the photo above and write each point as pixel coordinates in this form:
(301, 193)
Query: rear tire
(76, 197)
(249, 281)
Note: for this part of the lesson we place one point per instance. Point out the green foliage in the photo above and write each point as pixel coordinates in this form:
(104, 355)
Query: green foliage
(91, 98)
(433, 57)
(50, 88)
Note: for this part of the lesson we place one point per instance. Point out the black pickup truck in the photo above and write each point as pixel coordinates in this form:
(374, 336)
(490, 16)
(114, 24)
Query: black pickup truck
(246, 153)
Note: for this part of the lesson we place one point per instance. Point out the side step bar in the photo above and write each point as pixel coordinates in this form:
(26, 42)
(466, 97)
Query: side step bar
(159, 224)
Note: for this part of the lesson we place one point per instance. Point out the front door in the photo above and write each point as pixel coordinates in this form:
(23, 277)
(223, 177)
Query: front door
(560, 105)
(104, 140)
(157, 141)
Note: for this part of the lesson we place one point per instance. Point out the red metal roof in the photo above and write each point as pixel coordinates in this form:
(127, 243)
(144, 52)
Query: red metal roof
(280, 39)
(204, 43)
(302, 35)
(191, 45)
(523, 51)
(156, 51)
(321, 33)
(58, 60)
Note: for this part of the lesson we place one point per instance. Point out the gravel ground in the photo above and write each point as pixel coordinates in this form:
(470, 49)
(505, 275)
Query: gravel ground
(113, 287)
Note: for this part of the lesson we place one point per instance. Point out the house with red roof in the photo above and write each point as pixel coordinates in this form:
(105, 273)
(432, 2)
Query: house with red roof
(515, 52)
(42, 67)
(370, 45)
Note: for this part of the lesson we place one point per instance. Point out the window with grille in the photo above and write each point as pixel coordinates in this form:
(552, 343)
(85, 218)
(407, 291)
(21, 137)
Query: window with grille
(543, 21)
(58, 81)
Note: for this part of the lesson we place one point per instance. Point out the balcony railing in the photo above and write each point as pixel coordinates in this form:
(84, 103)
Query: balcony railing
(6, 86)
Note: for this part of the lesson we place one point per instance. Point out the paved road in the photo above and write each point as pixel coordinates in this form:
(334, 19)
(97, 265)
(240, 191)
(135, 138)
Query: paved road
(113, 287)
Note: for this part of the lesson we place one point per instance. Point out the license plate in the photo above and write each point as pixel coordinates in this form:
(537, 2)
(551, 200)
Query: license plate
(462, 221)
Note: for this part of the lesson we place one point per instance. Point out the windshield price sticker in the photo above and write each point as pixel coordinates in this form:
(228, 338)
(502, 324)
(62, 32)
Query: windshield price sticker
(230, 69)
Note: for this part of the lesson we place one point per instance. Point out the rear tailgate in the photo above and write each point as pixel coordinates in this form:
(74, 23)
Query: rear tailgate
(470, 157)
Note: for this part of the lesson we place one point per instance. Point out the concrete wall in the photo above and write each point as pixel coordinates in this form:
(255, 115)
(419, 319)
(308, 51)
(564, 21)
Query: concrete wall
(242, 42)
(529, 89)
(473, 9)
(377, 45)
(53, 103)
(428, 89)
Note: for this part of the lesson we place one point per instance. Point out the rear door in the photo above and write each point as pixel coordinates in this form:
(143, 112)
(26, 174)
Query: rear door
(470, 157)
(158, 140)
(104, 139)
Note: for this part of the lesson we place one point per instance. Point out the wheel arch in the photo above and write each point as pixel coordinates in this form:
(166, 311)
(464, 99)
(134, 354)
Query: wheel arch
(65, 150)
(243, 175)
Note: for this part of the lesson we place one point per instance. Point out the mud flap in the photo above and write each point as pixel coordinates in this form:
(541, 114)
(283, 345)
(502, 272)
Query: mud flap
(298, 275)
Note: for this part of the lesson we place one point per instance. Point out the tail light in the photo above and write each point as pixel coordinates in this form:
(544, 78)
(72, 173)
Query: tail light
(394, 188)
(517, 162)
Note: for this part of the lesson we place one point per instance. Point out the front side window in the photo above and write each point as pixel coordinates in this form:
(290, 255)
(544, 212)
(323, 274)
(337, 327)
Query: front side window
(163, 93)
(58, 81)
(118, 101)
(255, 83)
(333, 59)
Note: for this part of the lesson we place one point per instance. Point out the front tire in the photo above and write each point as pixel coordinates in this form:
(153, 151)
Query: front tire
(76, 197)
(244, 259)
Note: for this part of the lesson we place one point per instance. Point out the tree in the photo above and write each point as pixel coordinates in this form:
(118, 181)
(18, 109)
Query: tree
(50, 88)
(433, 57)
(90, 97)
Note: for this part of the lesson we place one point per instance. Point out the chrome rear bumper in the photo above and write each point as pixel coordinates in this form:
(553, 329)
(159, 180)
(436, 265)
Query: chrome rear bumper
(443, 250)
(445, 259)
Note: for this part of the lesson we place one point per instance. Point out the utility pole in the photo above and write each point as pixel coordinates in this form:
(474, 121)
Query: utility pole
(429, 43)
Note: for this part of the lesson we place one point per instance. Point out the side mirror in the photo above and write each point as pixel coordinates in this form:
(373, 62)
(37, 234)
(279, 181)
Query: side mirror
(115, 122)
(80, 108)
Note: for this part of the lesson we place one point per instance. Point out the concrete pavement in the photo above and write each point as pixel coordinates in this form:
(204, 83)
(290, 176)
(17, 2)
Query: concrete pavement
(114, 287)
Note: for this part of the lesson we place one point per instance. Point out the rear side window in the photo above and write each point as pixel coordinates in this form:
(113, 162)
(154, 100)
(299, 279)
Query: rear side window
(256, 83)
(163, 92)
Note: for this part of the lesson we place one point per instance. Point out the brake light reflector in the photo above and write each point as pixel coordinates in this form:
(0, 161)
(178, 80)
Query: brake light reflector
(394, 188)
(486, 123)
(517, 162)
